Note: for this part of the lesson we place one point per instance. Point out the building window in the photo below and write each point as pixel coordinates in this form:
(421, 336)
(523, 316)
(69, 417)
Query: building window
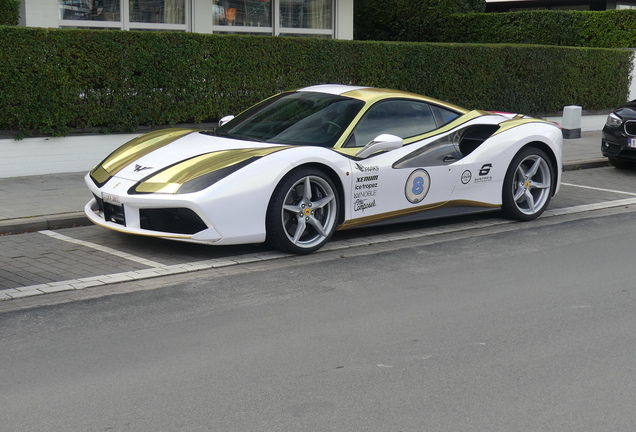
(90, 10)
(157, 11)
(124, 14)
(306, 14)
(277, 17)
(242, 13)
(307, 18)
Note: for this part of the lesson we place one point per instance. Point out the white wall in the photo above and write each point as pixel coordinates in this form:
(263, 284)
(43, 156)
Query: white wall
(202, 16)
(632, 88)
(33, 156)
(40, 13)
(344, 19)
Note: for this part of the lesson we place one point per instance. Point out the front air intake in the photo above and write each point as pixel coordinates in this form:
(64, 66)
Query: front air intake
(171, 220)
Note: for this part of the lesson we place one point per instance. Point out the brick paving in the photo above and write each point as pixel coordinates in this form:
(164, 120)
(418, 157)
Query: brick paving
(34, 258)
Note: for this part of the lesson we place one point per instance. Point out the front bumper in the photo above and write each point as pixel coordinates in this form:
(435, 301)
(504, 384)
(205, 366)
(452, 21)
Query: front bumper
(194, 218)
(615, 144)
(169, 223)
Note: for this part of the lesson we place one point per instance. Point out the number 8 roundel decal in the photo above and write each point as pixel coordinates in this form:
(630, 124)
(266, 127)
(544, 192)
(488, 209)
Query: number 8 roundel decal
(417, 186)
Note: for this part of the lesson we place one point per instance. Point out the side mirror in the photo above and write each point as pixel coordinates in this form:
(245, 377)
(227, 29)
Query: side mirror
(384, 142)
(225, 119)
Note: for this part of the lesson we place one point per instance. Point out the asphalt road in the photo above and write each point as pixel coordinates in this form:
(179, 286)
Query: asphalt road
(509, 327)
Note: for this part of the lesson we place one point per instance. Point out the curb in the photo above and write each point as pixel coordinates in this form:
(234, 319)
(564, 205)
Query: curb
(39, 223)
(592, 163)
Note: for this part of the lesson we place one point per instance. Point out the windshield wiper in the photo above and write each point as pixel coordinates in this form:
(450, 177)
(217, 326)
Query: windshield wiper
(233, 136)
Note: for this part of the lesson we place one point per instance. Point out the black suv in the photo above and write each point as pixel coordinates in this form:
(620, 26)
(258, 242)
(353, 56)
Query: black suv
(618, 142)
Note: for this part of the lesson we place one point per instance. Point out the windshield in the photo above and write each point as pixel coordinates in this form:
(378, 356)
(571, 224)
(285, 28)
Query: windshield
(300, 118)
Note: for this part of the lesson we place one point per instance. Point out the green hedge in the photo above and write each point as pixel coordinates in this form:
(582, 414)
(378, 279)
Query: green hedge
(530, 27)
(9, 12)
(53, 80)
(609, 29)
(604, 29)
(394, 19)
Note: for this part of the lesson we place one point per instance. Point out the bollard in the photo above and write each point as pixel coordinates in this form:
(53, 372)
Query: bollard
(571, 124)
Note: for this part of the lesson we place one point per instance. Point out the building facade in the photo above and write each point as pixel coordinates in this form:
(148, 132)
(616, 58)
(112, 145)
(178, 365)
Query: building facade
(331, 19)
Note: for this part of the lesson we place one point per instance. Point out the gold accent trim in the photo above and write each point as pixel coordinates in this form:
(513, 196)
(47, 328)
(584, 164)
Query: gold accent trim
(353, 223)
(375, 94)
(134, 149)
(464, 118)
(349, 151)
(516, 121)
(171, 179)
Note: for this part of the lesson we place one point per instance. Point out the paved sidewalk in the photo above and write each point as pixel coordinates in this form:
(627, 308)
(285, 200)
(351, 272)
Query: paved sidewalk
(51, 201)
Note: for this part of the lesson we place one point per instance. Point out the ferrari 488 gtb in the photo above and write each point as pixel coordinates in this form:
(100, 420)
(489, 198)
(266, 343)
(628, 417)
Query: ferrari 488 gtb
(298, 166)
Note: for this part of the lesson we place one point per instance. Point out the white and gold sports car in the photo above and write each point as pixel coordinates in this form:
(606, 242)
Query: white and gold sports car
(298, 166)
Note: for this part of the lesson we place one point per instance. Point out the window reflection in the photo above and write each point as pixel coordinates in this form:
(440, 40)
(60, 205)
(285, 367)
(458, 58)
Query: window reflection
(141, 11)
(249, 13)
(157, 11)
(299, 118)
(309, 14)
(309, 18)
(90, 10)
(399, 117)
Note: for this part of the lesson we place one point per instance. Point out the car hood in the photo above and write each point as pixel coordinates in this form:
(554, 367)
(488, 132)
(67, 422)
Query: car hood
(177, 153)
(627, 111)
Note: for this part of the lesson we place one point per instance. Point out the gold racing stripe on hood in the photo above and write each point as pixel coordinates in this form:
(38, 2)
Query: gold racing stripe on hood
(133, 150)
(172, 178)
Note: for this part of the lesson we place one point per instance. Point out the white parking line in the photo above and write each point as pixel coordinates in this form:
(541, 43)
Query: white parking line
(598, 189)
(589, 207)
(101, 248)
(157, 269)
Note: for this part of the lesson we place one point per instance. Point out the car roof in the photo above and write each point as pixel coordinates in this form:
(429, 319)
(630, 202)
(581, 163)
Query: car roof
(372, 94)
(335, 89)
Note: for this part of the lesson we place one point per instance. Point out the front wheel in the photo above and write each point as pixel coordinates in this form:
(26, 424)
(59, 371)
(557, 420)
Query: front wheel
(528, 185)
(303, 212)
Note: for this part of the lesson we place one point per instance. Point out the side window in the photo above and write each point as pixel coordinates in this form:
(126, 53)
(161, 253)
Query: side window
(397, 117)
(443, 116)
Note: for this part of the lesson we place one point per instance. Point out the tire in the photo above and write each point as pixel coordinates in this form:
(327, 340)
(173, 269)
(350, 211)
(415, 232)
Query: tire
(528, 185)
(303, 212)
(621, 164)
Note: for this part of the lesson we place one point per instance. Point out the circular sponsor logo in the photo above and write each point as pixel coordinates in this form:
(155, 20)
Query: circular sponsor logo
(417, 186)
(466, 176)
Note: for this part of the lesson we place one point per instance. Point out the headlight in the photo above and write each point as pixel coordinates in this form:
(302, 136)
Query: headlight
(613, 121)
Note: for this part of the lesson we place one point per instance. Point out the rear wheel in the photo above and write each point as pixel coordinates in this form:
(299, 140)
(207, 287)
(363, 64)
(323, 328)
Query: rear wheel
(303, 212)
(528, 185)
